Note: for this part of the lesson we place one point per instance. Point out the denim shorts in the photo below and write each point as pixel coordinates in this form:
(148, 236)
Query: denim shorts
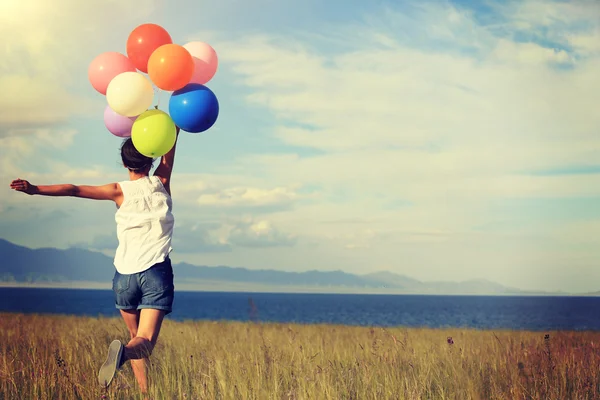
(152, 288)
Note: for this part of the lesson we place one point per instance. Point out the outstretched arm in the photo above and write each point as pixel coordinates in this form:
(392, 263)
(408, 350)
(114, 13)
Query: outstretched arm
(164, 169)
(112, 191)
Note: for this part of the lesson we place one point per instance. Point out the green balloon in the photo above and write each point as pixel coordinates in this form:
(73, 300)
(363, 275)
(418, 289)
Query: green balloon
(153, 133)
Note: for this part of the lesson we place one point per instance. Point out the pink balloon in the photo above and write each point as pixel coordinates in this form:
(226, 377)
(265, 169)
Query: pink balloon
(117, 124)
(105, 67)
(205, 61)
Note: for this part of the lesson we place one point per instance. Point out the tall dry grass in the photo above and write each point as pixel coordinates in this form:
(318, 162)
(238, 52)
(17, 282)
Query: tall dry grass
(57, 357)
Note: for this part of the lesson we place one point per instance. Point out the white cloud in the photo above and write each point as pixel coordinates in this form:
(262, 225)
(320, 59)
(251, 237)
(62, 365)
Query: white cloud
(193, 235)
(567, 24)
(20, 148)
(36, 102)
(406, 97)
(248, 197)
(239, 192)
(45, 62)
(529, 53)
(362, 240)
(258, 233)
(534, 14)
(36, 138)
(586, 43)
(95, 174)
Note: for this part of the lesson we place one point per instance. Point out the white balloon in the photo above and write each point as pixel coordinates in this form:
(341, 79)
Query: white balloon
(130, 94)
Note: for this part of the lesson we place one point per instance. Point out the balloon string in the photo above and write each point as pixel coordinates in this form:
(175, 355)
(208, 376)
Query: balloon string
(158, 101)
(157, 93)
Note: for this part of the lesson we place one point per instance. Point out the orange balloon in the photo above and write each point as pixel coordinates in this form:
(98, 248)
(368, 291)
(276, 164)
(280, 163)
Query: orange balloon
(171, 67)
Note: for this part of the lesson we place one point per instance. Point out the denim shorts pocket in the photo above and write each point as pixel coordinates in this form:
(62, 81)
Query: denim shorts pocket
(159, 277)
(121, 282)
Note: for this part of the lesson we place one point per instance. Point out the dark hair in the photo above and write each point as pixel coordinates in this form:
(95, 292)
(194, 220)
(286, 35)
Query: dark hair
(133, 159)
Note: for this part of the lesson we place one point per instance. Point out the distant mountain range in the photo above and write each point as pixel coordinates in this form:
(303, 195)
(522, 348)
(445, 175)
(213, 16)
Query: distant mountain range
(22, 265)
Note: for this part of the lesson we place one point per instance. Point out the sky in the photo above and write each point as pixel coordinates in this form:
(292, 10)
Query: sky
(436, 139)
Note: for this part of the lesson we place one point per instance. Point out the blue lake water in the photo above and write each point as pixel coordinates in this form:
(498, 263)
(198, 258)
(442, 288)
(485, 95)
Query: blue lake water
(480, 312)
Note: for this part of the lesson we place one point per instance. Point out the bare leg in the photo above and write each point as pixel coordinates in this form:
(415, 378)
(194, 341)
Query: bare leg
(132, 319)
(144, 326)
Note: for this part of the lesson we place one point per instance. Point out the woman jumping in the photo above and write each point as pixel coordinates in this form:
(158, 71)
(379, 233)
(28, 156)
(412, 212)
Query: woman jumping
(143, 280)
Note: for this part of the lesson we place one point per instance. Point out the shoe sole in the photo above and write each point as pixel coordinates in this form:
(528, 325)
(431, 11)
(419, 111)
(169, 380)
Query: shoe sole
(110, 366)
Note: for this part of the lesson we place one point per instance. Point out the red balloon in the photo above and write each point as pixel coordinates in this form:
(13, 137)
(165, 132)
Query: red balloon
(142, 42)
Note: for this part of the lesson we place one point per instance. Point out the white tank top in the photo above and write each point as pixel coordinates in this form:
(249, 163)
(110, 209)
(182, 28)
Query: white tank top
(144, 225)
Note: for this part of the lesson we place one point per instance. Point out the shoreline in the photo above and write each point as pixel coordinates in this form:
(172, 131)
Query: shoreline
(308, 325)
(257, 288)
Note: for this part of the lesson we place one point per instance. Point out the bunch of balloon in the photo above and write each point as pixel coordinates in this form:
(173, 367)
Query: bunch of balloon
(183, 70)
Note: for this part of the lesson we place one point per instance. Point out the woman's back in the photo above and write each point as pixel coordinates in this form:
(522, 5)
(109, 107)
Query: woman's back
(144, 225)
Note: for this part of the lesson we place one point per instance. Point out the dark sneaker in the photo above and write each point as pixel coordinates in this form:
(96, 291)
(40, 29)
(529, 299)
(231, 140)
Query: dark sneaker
(112, 363)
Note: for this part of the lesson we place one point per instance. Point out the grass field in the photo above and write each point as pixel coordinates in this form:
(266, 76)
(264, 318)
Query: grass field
(57, 357)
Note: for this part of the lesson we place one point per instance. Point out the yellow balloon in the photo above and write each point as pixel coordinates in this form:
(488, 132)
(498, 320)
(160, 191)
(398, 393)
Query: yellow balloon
(153, 133)
(129, 94)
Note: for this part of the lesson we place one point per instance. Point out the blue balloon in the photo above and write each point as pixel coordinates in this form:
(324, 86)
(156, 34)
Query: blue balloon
(194, 108)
